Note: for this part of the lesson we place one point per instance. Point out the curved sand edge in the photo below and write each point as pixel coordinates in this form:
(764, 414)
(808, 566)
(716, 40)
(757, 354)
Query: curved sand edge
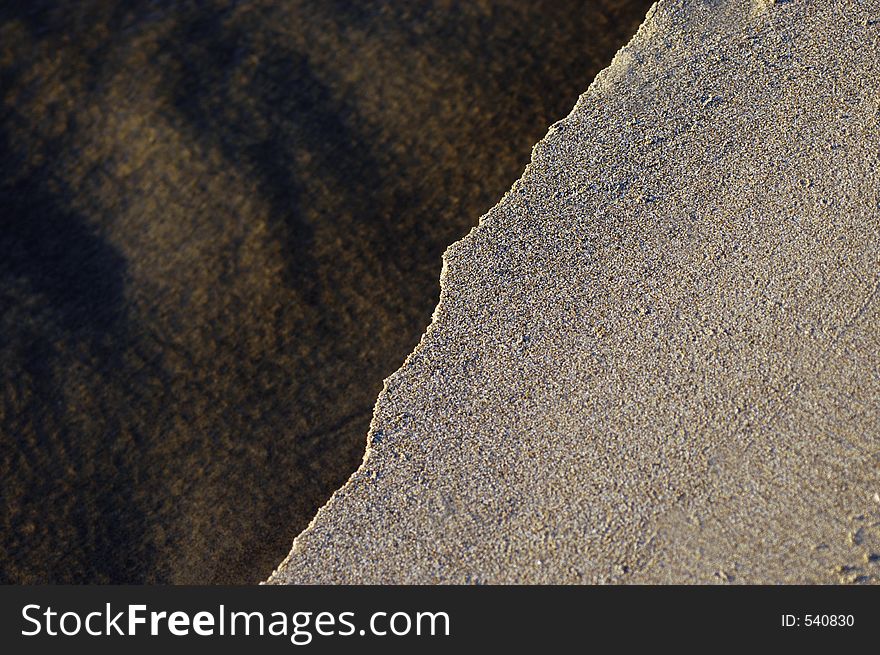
(655, 359)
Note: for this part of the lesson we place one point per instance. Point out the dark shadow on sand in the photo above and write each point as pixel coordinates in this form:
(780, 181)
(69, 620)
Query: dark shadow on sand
(222, 226)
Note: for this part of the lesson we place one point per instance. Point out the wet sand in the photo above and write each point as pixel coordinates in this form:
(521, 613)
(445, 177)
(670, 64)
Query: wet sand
(656, 359)
(222, 227)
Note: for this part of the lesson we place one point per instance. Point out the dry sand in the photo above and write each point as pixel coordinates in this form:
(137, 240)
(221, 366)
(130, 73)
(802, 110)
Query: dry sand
(657, 359)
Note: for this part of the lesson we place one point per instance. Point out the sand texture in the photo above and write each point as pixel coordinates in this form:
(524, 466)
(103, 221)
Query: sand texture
(222, 225)
(657, 359)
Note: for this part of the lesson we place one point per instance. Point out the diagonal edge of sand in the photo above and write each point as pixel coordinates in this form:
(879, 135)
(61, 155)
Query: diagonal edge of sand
(654, 359)
(598, 82)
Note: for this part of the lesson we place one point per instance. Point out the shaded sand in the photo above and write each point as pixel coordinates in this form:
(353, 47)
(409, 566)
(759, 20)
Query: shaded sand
(657, 359)
(221, 228)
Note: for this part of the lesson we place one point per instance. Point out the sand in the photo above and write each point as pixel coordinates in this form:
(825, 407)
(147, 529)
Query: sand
(222, 227)
(657, 359)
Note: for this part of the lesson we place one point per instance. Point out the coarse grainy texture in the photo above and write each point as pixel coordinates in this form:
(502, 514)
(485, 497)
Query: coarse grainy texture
(221, 228)
(656, 359)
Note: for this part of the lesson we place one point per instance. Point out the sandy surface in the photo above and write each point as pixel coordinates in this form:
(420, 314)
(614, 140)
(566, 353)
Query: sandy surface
(657, 359)
(222, 224)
